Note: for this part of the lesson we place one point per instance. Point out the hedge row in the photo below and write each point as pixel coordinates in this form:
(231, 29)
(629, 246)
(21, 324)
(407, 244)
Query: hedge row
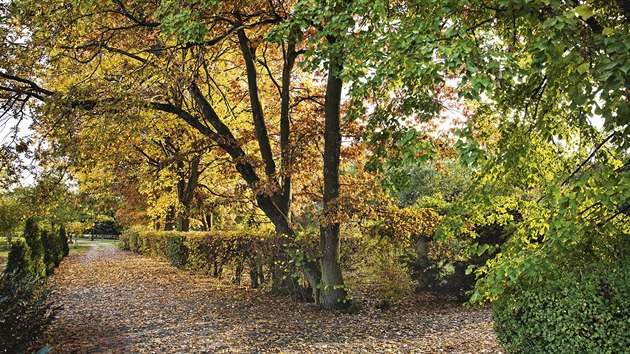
(210, 252)
(25, 305)
(569, 312)
(39, 252)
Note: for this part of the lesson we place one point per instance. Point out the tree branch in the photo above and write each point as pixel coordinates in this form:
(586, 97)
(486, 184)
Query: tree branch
(257, 111)
(32, 84)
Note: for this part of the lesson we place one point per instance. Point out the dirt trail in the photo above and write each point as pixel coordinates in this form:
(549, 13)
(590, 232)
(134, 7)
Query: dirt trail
(118, 302)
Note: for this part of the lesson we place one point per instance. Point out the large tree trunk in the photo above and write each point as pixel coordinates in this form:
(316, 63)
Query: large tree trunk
(183, 220)
(333, 292)
(283, 282)
(285, 131)
(186, 191)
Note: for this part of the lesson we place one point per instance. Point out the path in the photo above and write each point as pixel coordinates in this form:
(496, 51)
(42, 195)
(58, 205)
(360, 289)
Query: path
(118, 302)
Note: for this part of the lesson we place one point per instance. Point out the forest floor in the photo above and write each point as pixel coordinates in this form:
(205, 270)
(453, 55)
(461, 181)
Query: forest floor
(119, 302)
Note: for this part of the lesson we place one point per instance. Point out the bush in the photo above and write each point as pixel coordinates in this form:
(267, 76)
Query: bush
(129, 239)
(570, 312)
(176, 252)
(25, 311)
(58, 248)
(392, 281)
(375, 261)
(63, 238)
(19, 260)
(32, 235)
(209, 252)
(52, 250)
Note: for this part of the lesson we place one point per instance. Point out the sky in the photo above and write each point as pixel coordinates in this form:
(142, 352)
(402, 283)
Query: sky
(7, 134)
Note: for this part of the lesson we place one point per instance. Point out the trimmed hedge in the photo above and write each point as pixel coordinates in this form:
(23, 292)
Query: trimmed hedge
(586, 312)
(210, 252)
(176, 251)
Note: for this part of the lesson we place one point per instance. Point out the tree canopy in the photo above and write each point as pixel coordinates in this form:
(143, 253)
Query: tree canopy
(167, 105)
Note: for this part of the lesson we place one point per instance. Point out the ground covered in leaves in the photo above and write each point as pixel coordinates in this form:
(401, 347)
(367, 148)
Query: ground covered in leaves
(118, 302)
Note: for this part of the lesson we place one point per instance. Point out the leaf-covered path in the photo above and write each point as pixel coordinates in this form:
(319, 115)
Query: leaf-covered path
(118, 302)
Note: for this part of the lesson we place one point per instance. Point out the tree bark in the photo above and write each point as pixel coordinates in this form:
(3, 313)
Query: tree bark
(186, 192)
(285, 131)
(256, 105)
(333, 292)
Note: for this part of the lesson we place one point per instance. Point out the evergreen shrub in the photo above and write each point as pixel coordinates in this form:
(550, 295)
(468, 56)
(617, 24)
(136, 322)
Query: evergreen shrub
(19, 260)
(25, 311)
(32, 235)
(63, 238)
(52, 250)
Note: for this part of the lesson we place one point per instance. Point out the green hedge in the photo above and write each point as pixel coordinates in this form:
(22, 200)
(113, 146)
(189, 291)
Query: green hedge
(25, 307)
(176, 251)
(210, 252)
(571, 312)
(33, 237)
(39, 252)
(63, 237)
(53, 250)
(19, 260)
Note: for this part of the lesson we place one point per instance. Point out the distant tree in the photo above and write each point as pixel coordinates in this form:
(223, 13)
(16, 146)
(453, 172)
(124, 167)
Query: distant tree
(9, 215)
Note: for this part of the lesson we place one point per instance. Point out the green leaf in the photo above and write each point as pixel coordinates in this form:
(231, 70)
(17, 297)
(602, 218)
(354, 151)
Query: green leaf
(481, 249)
(584, 11)
(470, 269)
(584, 67)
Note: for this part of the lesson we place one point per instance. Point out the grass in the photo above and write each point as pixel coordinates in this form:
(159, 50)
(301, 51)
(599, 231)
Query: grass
(83, 245)
(79, 247)
(110, 241)
(4, 254)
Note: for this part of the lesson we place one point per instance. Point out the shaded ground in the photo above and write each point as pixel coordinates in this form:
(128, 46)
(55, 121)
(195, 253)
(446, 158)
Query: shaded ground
(118, 302)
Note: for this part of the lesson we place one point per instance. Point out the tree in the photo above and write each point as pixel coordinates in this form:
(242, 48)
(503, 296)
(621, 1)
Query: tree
(9, 215)
(229, 71)
(191, 49)
(547, 69)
